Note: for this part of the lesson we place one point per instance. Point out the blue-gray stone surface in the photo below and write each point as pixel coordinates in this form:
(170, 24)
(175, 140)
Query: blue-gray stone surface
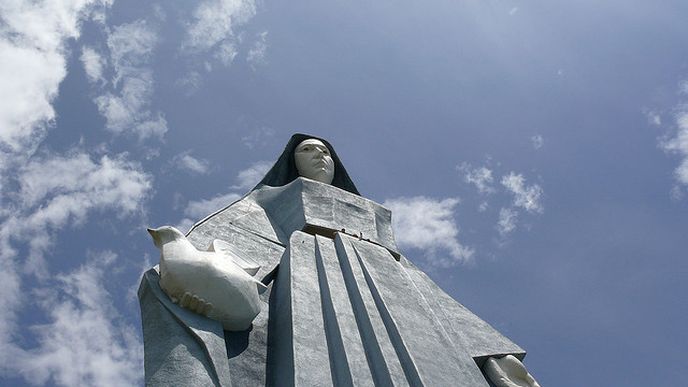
(343, 307)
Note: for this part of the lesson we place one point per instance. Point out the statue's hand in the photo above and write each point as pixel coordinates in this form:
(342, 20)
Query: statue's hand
(508, 371)
(194, 304)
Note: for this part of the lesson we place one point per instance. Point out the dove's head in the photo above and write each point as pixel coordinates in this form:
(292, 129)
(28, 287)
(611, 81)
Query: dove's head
(165, 234)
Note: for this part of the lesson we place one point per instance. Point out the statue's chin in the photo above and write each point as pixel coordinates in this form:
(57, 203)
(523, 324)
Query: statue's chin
(321, 175)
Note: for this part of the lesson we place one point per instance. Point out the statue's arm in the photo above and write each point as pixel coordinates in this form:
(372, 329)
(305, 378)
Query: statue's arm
(508, 371)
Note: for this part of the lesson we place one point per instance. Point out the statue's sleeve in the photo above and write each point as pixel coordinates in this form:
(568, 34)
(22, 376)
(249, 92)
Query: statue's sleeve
(469, 331)
(181, 347)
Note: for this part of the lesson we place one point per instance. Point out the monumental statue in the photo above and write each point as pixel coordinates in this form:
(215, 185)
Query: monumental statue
(300, 283)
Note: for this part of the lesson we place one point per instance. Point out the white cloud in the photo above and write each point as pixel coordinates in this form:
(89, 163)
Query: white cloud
(55, 191)
(507, 221)
(109, 182)
(33, 53)
(683, 87)
(653, 117)
(131, 48)
(256, 55)
(189, 163)
(93, 64)
(249, 177)
(226, 52)
(198, 209)
(213, 27)
(513, 11)
(538, 141)
(190, 83)
(257, 137)
(32, 64)
(678, 144)
(126, 107)
(428, 224)
(246, 179)
(84, 341)
(202, 208)
(526, 197)
(480, 177)
(52, 193)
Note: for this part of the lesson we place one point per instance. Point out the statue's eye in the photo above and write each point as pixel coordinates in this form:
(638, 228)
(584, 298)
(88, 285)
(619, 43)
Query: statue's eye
(306, 148)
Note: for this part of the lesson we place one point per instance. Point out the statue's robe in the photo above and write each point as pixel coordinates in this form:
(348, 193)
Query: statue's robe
(344, 306)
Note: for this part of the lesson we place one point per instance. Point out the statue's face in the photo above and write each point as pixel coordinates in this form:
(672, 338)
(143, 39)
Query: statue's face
(313, 160)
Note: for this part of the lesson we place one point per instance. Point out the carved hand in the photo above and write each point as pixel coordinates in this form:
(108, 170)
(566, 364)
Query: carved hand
(508, 371)
(194, 304)
(210, 283)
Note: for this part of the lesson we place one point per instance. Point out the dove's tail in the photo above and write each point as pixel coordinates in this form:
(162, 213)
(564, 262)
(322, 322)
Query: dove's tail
(261, 286)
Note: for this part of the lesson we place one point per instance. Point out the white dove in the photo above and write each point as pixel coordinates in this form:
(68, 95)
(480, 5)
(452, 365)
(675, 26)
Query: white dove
(212, 283)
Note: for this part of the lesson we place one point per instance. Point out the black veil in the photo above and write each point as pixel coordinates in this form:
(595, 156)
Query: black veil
(284, 171)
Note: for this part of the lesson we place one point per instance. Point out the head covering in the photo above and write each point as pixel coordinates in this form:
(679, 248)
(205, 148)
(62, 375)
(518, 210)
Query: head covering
(284, 171)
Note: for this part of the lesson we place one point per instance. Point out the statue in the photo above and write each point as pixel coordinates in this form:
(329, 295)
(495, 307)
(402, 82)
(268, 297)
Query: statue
(300, 282)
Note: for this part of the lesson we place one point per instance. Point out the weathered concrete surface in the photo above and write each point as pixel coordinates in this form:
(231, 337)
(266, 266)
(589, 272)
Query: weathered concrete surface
(342, 310)
(181, 347)
(344, 339)
(465, 329)
(421, 342)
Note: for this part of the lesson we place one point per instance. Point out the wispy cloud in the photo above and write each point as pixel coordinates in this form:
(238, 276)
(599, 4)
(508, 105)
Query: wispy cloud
(93, 63)
(480, 177)
(55, 191)
(32, 43)
(126, 105)
(653, 117)
(256, 55)
(677, 141)
(525, 196)
(198, 209)
(257, 137)
(537, 141)
(246, 179)
(84, 341)
(212, 28)
(507, 221)
(191, 164)
(428, 225)
(249, 177)
(205, 207)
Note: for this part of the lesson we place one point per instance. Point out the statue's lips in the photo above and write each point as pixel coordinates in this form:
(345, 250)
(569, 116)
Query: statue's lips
(322, 163)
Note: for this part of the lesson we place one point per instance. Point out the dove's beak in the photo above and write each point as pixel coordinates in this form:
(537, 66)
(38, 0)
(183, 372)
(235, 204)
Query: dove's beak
(154, 234)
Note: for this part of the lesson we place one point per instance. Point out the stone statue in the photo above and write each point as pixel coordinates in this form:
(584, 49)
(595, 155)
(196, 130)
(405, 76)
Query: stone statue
(337, 302)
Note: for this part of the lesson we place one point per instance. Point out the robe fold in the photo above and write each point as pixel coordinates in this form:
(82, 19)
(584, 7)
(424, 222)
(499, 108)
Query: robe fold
(344, 306)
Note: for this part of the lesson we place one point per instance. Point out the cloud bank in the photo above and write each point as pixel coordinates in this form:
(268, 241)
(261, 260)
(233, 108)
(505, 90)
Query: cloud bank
(33, 63)
(428, 225)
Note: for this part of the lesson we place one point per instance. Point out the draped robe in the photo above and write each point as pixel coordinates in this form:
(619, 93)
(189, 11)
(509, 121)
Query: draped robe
(344, 307)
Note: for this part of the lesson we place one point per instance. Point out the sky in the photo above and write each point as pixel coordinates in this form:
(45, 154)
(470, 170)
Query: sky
(534, 155)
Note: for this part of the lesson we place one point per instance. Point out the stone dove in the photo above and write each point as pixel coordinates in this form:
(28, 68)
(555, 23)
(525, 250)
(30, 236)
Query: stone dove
(217, 283)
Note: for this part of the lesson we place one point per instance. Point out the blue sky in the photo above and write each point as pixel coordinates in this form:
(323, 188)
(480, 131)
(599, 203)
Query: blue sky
(534, 154)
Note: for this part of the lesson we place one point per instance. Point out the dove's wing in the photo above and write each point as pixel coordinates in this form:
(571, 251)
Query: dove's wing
(250, 266)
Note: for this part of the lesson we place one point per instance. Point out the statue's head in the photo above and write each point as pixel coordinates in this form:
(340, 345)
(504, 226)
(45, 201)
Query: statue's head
(314, 160)
(311, 157)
